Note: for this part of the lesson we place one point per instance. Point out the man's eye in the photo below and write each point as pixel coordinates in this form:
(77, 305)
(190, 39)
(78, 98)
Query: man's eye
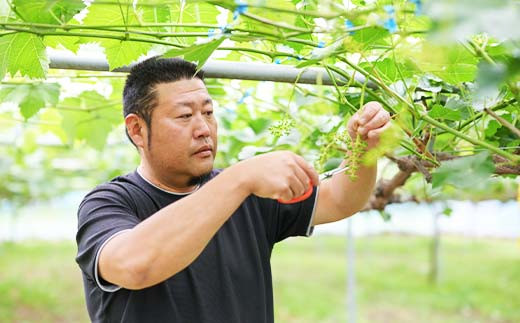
(185, 116)
(209, 113)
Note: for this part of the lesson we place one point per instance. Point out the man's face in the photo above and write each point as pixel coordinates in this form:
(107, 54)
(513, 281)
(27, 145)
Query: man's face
(184, 131)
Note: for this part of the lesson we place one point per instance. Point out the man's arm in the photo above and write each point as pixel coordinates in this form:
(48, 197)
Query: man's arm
(339, 197)
(173, 237)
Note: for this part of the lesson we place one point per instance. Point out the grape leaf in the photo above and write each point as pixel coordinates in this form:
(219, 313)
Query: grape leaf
(25, 53)
(304, 21)
(196, 53)
(440, 112)
(95, 133)
(30, 97)
(371, 36)
(156, 14)
(59, 42)
(464, 172)
(492, 128)
(91, 119)
(387, 69)
(452, 64)
(119, 52)
(48, 11)
(197, 12)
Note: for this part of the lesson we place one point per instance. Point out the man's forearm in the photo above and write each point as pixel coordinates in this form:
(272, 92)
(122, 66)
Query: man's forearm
(344, 196)
(353, 195)
(172, 238)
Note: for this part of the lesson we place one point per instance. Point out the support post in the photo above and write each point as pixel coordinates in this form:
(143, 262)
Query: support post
(351, 275)
(219, 69)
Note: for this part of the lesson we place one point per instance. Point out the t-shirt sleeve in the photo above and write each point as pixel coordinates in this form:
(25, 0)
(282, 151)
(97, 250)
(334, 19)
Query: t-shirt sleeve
(103, 214)
(287, 220)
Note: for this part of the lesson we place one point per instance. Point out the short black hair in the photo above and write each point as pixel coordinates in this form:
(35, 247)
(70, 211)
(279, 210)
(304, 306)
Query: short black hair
(139, 95)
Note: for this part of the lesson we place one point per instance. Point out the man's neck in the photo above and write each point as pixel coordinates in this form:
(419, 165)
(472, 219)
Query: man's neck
(153, 180)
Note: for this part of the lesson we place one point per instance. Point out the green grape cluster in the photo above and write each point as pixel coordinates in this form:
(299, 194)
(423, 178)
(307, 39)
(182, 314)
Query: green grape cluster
(356, 147)
(326, 151)
(282, 128)
(357, 150)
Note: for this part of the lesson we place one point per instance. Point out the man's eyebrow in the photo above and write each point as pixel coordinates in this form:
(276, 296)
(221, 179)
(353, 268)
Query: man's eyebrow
(192, 103)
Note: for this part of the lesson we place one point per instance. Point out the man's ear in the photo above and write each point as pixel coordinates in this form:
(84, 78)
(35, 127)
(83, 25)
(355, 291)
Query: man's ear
(136, 128)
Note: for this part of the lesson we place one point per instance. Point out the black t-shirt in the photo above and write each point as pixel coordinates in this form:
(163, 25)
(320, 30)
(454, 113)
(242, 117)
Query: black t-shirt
(230, 281)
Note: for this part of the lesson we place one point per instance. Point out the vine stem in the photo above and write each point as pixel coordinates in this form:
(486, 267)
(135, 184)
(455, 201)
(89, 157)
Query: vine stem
(382, 85)
(479, 115)
(422, 115)
(364, 88)
(114, 28)
(369, 91)
(146, 40)
(273, 23)
(503, 121)
(55, 33)
(512, 157)
(70, 27)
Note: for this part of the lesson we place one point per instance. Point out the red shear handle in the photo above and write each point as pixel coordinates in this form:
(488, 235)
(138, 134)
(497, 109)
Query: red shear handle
(300, 198)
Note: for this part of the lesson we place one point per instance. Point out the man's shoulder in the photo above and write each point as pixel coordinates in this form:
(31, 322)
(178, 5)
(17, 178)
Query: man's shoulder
(123, 186)
(130, 184)
(119, 183)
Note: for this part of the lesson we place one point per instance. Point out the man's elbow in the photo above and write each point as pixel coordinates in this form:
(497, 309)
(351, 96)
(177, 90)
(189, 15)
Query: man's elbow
(135, 277)
(138, 274)
(126, 274)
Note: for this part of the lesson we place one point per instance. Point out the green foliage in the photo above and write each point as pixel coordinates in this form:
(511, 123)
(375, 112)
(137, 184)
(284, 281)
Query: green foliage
(455, 22)
(48, 11)
(440, 112)
(30, 97)
(119, 52)
(453, 64)
(196, 53)
(435, 68)
(93, 119)
(466, 172)
(24, 53)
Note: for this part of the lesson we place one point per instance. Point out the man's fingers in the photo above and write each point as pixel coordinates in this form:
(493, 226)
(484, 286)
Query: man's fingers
(369, 111)
(353, 125)
(376, 133)
(309, 170)
(304, 180)
(286, 194)
(379, 120)
(297, 186)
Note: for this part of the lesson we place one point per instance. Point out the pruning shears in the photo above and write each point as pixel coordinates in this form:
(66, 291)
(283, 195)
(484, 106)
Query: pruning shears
(308, 193)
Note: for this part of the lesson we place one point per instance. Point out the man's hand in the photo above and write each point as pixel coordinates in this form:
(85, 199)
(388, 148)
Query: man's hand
(278, 175)
(369, 123)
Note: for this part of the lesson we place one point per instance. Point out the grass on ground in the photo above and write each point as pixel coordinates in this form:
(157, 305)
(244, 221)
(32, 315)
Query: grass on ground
(40, 282)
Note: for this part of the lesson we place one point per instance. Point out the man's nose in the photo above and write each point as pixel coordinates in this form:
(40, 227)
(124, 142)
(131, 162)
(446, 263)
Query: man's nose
(201, 127)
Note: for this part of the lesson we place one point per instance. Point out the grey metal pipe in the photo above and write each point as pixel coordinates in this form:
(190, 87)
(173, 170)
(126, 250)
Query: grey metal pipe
(218, 69)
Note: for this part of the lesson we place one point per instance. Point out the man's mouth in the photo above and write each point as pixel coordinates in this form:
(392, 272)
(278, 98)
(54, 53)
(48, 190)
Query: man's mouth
(204, 151)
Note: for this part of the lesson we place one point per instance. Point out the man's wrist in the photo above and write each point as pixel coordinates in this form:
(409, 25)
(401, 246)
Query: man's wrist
(240, 175)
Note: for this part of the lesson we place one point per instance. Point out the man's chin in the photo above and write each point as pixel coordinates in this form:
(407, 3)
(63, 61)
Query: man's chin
(204, 177)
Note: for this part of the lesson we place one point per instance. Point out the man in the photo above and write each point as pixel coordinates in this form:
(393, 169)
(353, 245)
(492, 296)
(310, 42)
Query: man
(176, 240)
